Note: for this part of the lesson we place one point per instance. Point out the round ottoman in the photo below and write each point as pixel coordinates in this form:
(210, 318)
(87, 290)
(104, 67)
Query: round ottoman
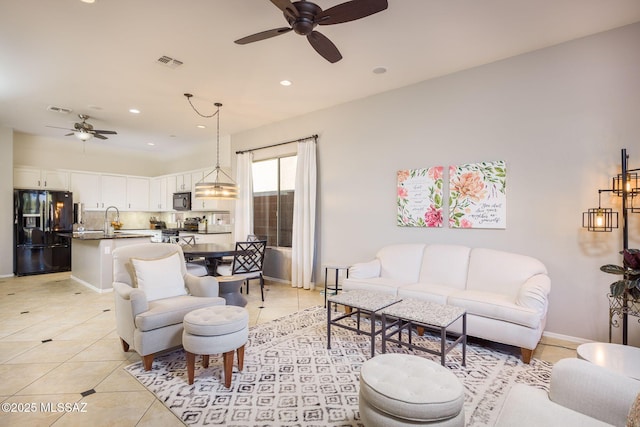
(214, 330)
(407, 390)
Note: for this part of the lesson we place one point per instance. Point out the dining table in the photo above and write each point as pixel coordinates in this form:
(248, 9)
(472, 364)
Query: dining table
(211, 252)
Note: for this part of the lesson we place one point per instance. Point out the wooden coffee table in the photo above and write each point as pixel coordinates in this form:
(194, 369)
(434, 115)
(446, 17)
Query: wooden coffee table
(410, 312)
(362, 302)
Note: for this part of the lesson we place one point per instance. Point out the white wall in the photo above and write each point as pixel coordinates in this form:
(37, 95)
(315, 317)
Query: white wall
(6, 202)
(559, 118)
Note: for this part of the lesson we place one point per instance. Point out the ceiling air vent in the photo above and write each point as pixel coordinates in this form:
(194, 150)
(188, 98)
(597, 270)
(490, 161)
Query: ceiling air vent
(169, 62)
(60, 110)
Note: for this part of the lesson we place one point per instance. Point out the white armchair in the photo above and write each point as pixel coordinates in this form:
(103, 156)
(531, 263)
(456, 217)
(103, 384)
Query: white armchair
(153, 292)
(581, 394)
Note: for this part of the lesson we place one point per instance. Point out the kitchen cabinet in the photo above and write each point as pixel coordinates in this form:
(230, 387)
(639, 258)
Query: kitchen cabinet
(45, 179)
(114, 191)
(137, 194)
(159, 195)
(179, 183)
(85, 187)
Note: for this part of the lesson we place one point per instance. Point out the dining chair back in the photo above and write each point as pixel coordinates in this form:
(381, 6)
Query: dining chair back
(247, 262)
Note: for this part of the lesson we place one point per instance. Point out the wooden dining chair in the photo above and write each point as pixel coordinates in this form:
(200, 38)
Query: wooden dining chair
(247, 262)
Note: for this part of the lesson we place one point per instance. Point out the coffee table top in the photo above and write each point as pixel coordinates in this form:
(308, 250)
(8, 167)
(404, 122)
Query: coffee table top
(616, 357)
(364, 300)
(426, 312)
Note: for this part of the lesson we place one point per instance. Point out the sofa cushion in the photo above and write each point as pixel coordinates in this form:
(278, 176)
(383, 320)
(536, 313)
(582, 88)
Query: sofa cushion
(365, 270)
(445, 265)
(500, 272)
(161, 277)
(426, 292)
(171, 311)
(401, 262)
(377, 284)
(495, 306)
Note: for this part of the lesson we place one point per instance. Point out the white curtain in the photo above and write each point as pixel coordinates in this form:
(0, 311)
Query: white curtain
(304, 217)
(244, 203)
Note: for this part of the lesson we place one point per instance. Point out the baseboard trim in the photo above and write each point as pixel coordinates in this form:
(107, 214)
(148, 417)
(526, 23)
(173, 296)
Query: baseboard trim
(90, 286)
(565, 337)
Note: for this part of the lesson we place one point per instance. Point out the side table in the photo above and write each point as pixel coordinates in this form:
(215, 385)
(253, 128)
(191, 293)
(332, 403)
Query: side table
(336, 285)
(616, 357)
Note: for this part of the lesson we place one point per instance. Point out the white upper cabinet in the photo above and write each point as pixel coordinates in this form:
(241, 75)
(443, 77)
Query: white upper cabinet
(40, 179)
(85, 187)
(158, 194)
(137, 194)
(114, 191)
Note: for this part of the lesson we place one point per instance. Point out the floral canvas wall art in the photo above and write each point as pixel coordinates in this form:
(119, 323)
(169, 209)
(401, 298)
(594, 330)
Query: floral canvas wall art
(420, 197)
(477, 195)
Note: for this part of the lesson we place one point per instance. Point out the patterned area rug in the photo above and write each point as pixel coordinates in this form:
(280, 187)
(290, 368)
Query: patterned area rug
(291, 379)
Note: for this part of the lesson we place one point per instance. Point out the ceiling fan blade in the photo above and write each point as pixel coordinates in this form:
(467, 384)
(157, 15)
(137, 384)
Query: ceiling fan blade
(263, 35)
(324, 47)
(287, 7)
(58, 127)
(97, 135)
(68, 134)
(350, 11)
(106, 132)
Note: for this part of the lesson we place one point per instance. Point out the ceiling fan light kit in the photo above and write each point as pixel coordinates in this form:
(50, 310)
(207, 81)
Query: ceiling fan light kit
(304, 16)
(84, 131)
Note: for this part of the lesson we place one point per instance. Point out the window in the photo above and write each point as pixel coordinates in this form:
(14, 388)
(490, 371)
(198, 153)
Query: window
(273, 191)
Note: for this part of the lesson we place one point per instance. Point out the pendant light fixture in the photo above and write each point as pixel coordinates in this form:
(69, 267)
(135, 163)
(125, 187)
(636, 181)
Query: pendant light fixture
(216, 188)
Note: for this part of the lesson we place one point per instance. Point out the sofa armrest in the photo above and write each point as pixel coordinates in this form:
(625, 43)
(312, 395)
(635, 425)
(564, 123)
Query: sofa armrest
(534, 293)
(593, 390)
(365, 270)
(133, 297)
(205, 286)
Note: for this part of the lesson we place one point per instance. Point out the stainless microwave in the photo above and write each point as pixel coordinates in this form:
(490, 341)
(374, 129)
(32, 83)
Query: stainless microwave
(182, 201)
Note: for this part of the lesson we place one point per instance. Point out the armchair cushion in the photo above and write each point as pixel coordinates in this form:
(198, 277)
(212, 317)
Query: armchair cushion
(160, 278)
(171, 311)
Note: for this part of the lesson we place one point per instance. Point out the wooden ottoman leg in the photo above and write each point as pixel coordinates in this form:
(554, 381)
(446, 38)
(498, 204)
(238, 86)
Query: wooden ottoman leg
(228, 368)
(191, 363)
(240, 357)
(205, 360)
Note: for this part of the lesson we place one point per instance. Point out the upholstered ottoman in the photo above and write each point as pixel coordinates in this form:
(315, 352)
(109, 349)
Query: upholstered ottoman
(407, 390)
(214, 330)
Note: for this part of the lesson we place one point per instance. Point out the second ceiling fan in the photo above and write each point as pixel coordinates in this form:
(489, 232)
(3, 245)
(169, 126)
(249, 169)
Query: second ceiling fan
(304, 16)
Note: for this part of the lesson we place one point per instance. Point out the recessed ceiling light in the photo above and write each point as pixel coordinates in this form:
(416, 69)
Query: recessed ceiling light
(150, 144)
(88, 1)
(201, 126)
(379, 70)
(285, 83)
(134, 111)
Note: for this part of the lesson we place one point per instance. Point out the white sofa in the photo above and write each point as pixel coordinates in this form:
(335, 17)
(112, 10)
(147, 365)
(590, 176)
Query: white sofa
(505, 294)
(580, 394)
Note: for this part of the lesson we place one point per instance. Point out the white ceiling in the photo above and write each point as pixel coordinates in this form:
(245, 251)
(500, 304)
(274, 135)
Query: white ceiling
(101, 59)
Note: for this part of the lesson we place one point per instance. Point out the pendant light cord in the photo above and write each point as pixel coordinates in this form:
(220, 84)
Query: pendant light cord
(217, 104)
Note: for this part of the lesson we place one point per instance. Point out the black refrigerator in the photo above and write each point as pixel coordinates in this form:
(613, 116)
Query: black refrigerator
(39, 218)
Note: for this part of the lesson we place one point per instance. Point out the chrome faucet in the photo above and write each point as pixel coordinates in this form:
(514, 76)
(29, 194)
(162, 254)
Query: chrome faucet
(107, 224)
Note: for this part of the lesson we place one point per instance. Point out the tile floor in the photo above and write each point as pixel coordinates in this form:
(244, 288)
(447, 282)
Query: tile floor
(58, 346)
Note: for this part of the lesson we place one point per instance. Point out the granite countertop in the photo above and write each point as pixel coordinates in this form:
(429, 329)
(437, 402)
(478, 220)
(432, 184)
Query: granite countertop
(100, 235)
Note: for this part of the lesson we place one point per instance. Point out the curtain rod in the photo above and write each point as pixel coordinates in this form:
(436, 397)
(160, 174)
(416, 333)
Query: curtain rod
(280, 143)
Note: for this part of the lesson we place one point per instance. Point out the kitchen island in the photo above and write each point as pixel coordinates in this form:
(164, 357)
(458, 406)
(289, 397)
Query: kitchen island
(91, 259)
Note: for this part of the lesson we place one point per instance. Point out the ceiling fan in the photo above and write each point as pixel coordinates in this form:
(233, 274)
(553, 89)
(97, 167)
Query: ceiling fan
(304, 16)
(85, 131)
